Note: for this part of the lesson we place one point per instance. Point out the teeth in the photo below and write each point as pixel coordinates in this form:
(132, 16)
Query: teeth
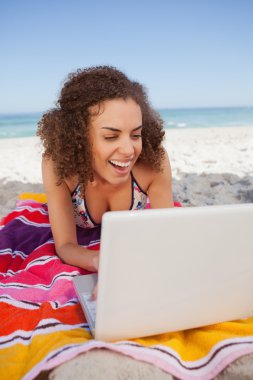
(121, 164)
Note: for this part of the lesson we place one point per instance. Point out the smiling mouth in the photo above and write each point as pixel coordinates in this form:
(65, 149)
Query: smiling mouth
(120, 165)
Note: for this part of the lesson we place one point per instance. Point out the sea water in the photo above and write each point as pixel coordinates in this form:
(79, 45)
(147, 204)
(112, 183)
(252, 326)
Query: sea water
(18, 125)
(207, 117)
(23, 125)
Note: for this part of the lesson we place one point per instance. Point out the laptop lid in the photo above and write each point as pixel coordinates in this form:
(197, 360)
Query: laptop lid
(170, 269)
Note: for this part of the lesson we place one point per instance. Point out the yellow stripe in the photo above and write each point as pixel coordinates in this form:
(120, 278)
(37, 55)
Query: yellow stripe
(19, 359)
(38, 197)
(195, 344)
(190, 345)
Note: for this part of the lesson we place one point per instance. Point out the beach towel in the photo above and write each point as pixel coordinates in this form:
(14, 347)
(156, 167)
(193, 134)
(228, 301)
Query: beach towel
(42, 323)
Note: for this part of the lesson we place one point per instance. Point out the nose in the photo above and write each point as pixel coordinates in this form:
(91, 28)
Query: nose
(126, 147)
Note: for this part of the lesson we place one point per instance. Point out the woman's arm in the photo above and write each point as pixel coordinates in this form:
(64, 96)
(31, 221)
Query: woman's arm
(160, 189)
(62, 222)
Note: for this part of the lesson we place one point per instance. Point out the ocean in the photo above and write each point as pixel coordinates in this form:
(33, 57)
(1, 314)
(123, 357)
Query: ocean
(23, 125)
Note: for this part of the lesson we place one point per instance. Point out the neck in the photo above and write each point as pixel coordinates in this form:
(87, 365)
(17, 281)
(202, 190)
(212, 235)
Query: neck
(103, 185)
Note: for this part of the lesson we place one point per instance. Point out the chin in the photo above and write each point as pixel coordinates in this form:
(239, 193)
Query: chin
(120, 180)
(112, 179)
(117, 180)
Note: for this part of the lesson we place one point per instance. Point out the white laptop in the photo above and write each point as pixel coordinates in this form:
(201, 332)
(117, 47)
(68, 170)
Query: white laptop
(170, 269)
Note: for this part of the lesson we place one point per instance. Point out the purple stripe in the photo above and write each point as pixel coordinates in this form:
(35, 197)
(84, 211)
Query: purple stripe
(18, 236)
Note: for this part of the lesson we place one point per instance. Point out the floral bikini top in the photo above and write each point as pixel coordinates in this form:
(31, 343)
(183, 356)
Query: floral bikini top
(81, 212)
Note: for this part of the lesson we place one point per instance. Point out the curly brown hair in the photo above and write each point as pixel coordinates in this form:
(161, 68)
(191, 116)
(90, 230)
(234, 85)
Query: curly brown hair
(64, 129)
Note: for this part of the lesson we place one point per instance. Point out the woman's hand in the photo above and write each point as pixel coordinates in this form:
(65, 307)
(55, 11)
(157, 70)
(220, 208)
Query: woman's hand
(94, 293)
(78, 256)
(92, 261)
(95, 263)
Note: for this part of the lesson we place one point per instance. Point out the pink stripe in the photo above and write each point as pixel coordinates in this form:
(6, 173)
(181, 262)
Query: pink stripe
(228, 359)
(143, 355)
(41, 274)
(31, 203)
(61, 291)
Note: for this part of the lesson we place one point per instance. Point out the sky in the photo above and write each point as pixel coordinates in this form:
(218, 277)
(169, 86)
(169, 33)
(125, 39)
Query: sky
(187, 53)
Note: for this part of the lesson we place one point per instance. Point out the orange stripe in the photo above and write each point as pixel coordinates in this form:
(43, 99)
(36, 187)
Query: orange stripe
(15, 318)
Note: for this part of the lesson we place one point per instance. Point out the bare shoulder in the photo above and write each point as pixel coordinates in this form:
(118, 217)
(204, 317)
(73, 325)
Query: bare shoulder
(49, 175)
(146, 175)
(157, 184)
(143, 175)
(59, 205)
(50, 178)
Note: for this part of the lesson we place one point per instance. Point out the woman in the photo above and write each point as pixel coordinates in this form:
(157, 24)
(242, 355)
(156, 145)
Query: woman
(103, 152)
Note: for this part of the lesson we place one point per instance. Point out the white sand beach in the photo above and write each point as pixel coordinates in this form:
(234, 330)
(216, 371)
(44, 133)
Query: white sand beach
(209, 166)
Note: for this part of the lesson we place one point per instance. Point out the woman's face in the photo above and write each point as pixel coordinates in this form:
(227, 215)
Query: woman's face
(115, 135)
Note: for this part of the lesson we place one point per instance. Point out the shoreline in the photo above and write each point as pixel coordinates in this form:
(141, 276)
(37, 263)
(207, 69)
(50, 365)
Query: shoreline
(209, 166)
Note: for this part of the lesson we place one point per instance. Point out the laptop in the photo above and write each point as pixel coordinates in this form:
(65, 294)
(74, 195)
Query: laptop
(166, 270)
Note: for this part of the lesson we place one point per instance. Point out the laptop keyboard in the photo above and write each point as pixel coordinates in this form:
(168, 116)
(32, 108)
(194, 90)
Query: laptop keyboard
(91, 305)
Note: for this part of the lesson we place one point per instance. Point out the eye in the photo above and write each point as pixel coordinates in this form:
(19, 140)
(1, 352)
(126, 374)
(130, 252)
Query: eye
(110, 138)
(136, 136)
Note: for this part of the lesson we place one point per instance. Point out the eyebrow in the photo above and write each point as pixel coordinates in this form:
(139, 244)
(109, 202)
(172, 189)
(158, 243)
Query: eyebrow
(118, 130)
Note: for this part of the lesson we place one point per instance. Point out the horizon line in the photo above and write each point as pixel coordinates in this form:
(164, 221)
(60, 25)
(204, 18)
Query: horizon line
(156, 108)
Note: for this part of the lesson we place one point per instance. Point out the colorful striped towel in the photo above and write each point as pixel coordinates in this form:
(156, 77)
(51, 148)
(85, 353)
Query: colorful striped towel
(42, 324)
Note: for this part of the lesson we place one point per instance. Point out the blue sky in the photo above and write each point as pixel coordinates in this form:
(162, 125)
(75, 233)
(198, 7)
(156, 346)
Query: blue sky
(188, 53)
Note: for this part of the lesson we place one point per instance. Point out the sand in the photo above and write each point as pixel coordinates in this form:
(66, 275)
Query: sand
(209, 166)
(212, 166)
